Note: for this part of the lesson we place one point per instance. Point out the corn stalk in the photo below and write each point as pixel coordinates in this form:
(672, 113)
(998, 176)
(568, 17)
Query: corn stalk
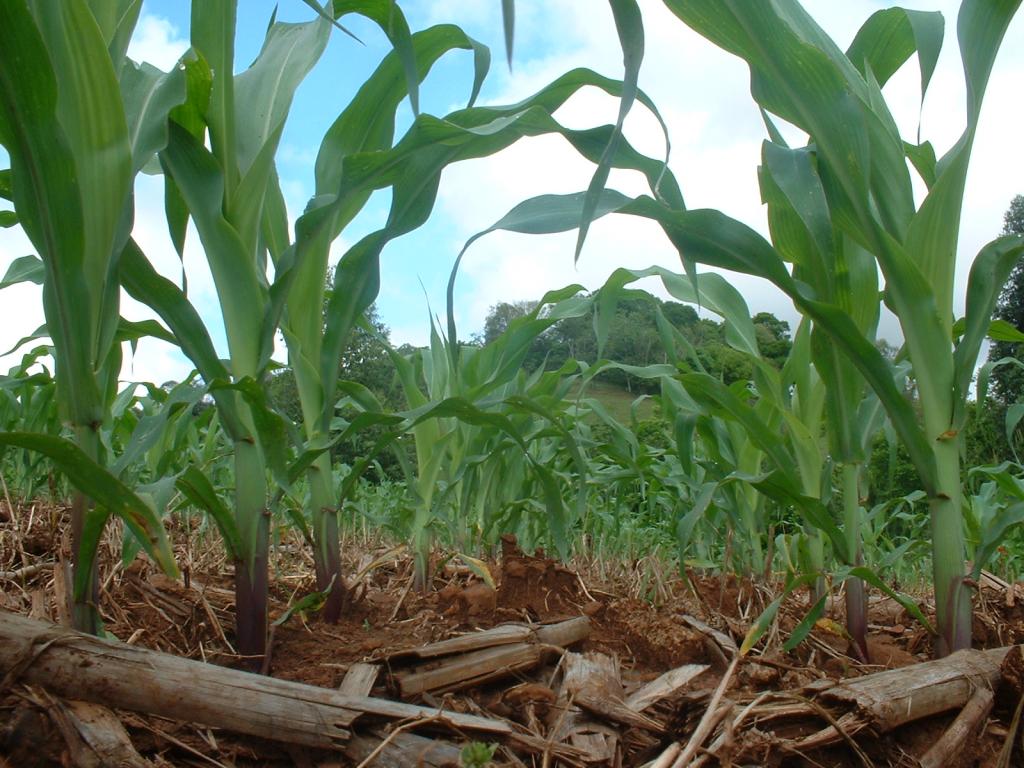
(79, 121)
(799, 75)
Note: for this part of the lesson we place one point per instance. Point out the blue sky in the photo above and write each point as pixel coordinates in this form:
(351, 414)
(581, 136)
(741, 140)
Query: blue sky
(702, 93)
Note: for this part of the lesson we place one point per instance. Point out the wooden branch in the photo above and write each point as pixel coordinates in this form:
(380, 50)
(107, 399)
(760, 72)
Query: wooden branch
(723, 641)
(359, 679)
(471, 641)
(496, 659)
(401, 749)
(615, 711)
(79, 666)
(26, 572)
(94, 736)
(592, 676)
(972, 717)
(895, 697)
(404, 749)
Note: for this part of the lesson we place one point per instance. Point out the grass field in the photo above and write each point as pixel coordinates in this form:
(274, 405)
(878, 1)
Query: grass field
(619, 401)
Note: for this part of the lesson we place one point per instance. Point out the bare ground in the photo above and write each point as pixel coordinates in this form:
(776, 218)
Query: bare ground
(642, 615)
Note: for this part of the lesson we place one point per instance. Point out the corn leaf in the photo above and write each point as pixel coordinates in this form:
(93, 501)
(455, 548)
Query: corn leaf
(106, 490)
(198, 490)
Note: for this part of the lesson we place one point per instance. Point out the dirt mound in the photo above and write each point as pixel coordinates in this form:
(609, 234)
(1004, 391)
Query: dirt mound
(648, 638)
(536, 584)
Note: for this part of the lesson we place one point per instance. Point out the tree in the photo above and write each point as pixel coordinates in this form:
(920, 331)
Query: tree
(1008, 380)
(682, 316)
(772, 337)
(501, 314)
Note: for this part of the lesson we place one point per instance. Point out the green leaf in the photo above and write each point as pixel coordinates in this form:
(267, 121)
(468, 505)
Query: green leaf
(149, 97)
(117, 20)
(106, 490)
(629, 26)
(24, 269)
(212, 32)
(132, 331)
(1013, 416)
(242, 299)
(151, 427)
(800, 632)
(271, 428)
(1001, 330)
(90, 110)
(988, 274)
(198, 490)
(508, 18)
(39, 333)
(48, 200)
(761, 626)
(890, 36)
(190, 116)
(264, 93)
(389, 17)
(908, 603)
(311, 603)
(923, 157)
(146, 285)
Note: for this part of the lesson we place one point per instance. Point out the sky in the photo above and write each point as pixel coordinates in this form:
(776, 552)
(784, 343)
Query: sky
(702, 93)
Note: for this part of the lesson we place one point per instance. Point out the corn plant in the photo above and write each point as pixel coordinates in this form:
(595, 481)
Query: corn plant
(356, 157)
(28, 403)
(231, 193)
(763, 437)
(483, 432)
(78, 121)
(366, 125)
(856, 162)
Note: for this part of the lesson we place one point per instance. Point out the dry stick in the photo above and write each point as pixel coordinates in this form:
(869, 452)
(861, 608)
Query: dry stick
(830, 735)
(110, 576)
(401, 597)
(215, 622)
(952, 742)
(666, 758)
(10, 506)
(710, 719)
(586, 591)
(719, 742)
(686, 758)
(1011, 737)
(180, 744)
(16, 523)
(835, 725)
(394, 734)
(27, 572)
(550, 741)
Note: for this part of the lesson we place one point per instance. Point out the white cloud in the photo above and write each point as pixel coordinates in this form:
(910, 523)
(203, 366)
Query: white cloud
(157, 41)
(716, 132)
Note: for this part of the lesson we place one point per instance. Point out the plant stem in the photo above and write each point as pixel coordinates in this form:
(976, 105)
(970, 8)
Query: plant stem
(952, 598)
(816, 548)
(85, 615)
(856, 597)
(421, 557)
(749, 500)
(252, 517)
(326, 553)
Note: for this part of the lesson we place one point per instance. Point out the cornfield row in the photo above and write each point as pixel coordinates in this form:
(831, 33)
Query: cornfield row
(761, 475)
